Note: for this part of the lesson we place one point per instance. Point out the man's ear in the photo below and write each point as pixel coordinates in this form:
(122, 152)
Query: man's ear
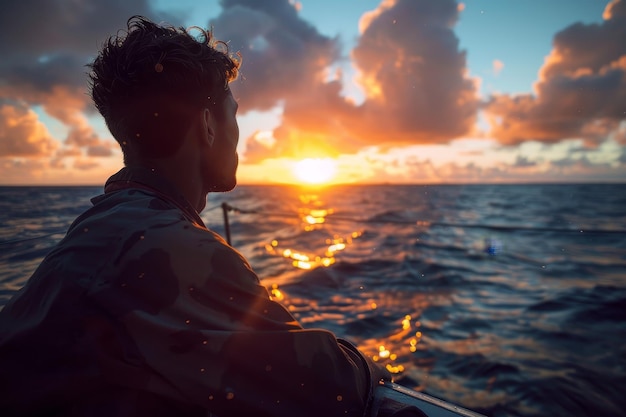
(209, 126)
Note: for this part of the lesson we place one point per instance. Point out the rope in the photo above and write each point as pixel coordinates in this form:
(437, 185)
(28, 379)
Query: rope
(441, 224)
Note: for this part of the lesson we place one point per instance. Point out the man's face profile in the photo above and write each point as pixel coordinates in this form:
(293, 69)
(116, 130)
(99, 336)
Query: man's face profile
(222, 159)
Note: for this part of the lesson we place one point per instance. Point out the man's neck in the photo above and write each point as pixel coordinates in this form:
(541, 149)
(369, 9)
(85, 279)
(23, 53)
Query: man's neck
(182, 177)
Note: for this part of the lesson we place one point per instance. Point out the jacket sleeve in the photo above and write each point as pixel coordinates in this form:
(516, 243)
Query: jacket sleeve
(194, 324)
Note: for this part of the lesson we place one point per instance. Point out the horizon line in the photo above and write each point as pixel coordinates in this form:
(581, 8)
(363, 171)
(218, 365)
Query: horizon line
(389, 183)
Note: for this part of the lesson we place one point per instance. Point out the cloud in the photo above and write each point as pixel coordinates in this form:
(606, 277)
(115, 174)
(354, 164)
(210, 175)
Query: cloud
(47, 43)
(523, 162)
(100, 150)
(498, 66)
(85, 164)
(414, 74)
(81, 135)
(21, 170)
(22, 134)
(522, 170)
(283, 55)
(619, 134)
(411, 69)
(416, 88)
(408, 59)
(581, 91)
(615, 9)
(68, 105)
(583, 169)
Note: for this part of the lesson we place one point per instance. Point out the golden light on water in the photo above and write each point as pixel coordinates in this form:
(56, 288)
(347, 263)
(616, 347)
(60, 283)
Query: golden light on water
(313, 218)
(303, 261)
(406, 323)
(395, 350)
(315, 170)
(391, 352)
(317, 237)
(383, 353)
(276, 294)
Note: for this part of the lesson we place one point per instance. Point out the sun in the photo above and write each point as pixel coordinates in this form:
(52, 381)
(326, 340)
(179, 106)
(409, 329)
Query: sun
(315, 170)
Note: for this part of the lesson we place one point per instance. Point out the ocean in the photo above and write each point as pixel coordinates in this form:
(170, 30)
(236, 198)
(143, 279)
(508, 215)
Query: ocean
(509, 300)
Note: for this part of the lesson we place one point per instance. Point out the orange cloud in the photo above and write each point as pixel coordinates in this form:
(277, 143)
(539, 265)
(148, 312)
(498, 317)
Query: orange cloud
(22, 134)
(615, 9)
(68, 105)
(581, 91)
(368, 17)
(415, 76)
(409, 63)
(21, 171)
(85, 164)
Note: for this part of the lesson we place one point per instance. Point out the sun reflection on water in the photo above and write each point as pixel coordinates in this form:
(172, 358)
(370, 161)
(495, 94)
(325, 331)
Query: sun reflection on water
(395, 351)
(313, 219)
(276, 294)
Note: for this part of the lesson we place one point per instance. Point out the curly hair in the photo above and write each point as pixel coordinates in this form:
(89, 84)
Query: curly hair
(146, 81)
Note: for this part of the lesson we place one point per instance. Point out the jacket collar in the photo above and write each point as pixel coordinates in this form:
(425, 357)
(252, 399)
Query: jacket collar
(148, 179)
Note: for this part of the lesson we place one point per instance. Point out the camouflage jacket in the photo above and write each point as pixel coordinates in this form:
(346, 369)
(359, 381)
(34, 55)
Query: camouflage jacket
(141, 310)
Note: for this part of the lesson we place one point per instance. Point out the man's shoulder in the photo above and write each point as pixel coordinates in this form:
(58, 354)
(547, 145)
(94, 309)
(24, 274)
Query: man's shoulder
(154, 219)
(136, 215)
(137, 207)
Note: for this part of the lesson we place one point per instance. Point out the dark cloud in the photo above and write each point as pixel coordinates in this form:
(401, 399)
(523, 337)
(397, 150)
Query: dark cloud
(45, 43)
(46, 73)
(583, 169)
(41, 26)
(283, 55)
(581, 92)
(523, 162)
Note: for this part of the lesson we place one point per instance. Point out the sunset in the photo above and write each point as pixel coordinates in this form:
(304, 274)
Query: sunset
(390, 91)
(315, 170)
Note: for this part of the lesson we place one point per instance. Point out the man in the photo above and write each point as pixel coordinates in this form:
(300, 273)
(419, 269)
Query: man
(142, 311)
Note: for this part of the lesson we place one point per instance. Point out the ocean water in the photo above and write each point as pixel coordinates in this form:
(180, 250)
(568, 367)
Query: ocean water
(506, 299)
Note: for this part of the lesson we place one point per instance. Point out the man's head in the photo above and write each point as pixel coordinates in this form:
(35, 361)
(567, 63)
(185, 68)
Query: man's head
(152, 81)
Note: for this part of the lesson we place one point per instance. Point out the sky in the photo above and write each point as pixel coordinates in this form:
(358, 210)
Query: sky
(344, 91)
